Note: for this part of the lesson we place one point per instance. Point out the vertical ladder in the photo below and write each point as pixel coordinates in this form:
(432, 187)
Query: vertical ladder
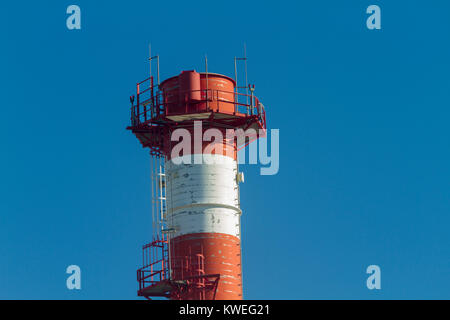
(159, 208)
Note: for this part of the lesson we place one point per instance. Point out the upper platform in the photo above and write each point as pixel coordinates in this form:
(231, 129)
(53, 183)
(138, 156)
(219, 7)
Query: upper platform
(180, 100)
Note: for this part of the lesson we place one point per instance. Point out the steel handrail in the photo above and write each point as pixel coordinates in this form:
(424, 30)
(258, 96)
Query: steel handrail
(165, 104)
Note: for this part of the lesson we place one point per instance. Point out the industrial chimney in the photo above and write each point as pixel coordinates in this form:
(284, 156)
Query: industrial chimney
(195, 253)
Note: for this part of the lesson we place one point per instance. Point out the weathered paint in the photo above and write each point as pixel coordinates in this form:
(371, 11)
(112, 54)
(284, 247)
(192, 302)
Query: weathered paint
(222, 255)
(203, 209)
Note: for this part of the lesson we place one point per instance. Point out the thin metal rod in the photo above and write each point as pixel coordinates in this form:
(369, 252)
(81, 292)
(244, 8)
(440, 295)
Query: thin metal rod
(236, 96)
(161, 195)
(235, 72)
(157, 60)
(236, 78)
(150, 58)
(153, 197)
(155, 181)
(245, 63)
(156, 199)
(206, 70)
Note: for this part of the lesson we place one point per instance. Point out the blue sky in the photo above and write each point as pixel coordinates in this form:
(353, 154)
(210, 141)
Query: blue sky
(364, 143)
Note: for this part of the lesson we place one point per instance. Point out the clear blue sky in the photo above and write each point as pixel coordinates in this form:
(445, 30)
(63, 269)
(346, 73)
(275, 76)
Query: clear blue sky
(364, 127)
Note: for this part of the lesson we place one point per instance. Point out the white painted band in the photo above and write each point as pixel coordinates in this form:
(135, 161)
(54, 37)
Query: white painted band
(203, 197)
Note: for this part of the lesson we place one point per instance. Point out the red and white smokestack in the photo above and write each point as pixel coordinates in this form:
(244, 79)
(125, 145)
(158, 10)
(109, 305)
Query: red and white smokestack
(203, 199)
(202, 191)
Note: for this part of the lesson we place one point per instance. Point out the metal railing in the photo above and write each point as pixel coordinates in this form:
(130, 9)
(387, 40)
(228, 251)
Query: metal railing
(189, 269)
(155, 262)
(152, 104)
